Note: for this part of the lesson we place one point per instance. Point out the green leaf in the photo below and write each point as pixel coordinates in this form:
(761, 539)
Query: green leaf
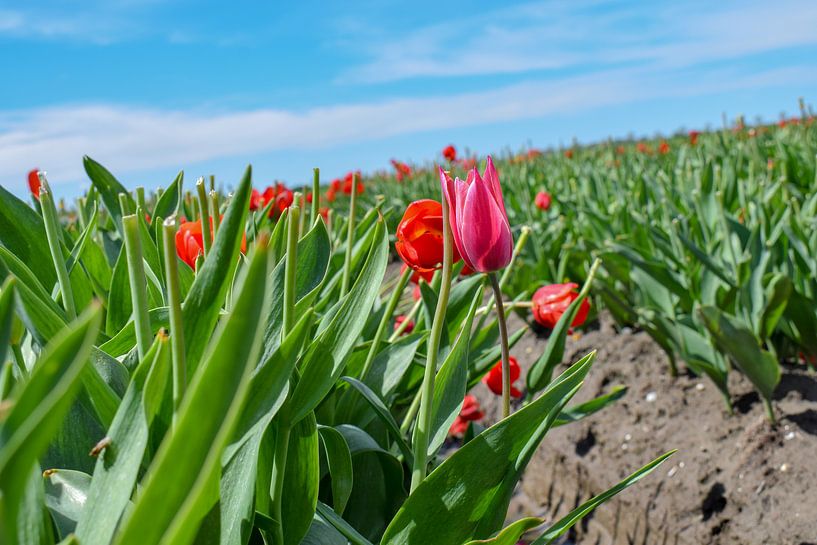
(6, 317)
(777, 292)
(40, 405)
(65, 493)
(125, 340)
(564, 524)
(325, 359)
(301, 479)
(117, 467)
(451, 381)
(385, 415)
(206, 296)
(168, 203)
(583, 410)
(339, 464)
(511, 534)
(22, 232)
(267, 391)
(731, 337)
(391, 364)
(181, 484)
(467, 496)
(109, 189)
(34, 524)
(343, 527)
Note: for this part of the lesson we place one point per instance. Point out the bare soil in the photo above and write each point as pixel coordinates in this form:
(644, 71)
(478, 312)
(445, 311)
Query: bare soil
(734, 480)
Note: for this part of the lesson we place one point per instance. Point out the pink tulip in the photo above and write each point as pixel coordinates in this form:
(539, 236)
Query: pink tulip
(478, 220)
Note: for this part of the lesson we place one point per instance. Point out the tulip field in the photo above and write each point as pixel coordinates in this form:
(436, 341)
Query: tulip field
(246, 362)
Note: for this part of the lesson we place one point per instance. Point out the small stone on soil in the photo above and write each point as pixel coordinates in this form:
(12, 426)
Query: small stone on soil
(651, 396)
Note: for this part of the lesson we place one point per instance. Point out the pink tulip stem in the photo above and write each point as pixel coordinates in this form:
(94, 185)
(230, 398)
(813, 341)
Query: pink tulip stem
(503, 343)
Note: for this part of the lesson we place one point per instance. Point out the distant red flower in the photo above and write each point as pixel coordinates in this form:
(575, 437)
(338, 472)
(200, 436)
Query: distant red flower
(324, 212)
(643, 148)
(309, 197)
(781, 123)
(336, 184)
(493, 380)
(402, 170)
(34, 182)
(416, 293)
(550, 302)
(279, 193)
(470, 412)
(693, 137)
(620, 149)
(543, 200)
(450, 153)
(348, 182)
(569, 154)
(468, 163)
(420, 236)
(398, 321)
(663, 148)
(189, 242)
(330, 195)
(533, 154)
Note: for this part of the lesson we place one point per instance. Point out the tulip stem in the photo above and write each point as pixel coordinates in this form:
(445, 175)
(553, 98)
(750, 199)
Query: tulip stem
(385, 320)
(506, 275)
(174, 303)
(52, 233)
(138, 284)
(214, 210)
(503, 343)
(411, 413)
(204, 216)
(422, 429)
(350, 239)
(316, 194)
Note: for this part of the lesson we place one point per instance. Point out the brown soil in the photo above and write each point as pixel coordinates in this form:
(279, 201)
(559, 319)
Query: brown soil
(735, 479)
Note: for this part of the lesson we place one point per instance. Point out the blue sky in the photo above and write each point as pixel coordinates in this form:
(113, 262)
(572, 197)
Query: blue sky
(148, 87)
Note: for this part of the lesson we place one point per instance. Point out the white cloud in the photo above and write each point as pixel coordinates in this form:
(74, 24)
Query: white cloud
(130, 140)
(552, 35)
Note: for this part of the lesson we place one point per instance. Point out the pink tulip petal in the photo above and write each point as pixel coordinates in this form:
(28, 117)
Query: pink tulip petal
(461, 191)
(486, 235)
(492, 178)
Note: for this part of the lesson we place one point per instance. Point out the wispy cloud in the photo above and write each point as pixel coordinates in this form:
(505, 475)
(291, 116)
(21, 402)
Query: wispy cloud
(585, 35)
(131, 140)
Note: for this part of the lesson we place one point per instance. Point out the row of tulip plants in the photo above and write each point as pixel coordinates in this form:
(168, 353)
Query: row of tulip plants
(706, 241)
(197, 367)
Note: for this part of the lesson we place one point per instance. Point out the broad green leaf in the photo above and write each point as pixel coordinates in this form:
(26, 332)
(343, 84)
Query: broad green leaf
(66, 491)
(206, 296)
(777, 292)
(450, 383)
(181, 483)
(301, 479)
(456, 503)
(22, 232)
(731, 337)
(40, 405)
(343, 527)
(168, 203)
(583, 410)
(34, 524)
(125, 340)
(339, 465)
(390, 365)
(382, 411)
(109, 189)
(6, 317)
(325, 359)
(117, 467)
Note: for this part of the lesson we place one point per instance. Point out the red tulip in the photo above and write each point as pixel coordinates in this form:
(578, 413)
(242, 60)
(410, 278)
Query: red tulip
(569, 154)
(493, 380)
(663, 148)
(189, 243)
(693, 137)
(256, 200)
(478, 220)
(402, 170)
(420, 236)
(34, 182)
(348, 181)
(398, 321)
(335, 185)
(550, 302)
(450, 153)
(330, 195)
(470, 412)
(643, 148)
(533, 154)
(542, 200)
